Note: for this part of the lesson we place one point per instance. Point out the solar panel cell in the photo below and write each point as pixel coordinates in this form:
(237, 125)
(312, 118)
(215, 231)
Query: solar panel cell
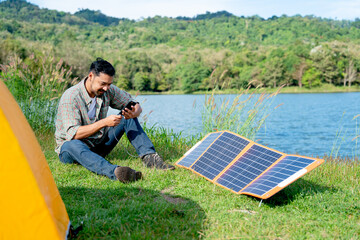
(219, 155)
(194, 153)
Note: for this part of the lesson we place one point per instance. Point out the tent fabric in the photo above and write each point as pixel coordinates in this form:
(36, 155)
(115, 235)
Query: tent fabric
(31, 205)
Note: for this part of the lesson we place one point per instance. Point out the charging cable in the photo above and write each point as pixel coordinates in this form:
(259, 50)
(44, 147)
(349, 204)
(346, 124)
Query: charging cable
(118, 140)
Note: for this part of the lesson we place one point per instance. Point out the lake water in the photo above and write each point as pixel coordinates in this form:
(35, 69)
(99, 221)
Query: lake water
(305, 124)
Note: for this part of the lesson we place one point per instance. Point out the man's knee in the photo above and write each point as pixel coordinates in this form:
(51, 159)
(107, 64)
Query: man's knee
(66, 158)
(70, 150)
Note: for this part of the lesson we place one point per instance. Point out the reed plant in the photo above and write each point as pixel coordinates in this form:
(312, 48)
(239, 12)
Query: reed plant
(342, 136)
(37, 83)
(339, 139)
(355, 140)
(244, 115)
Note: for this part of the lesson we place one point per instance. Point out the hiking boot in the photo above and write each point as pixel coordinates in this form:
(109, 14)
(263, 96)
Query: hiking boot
(153, 160)
(126, 174)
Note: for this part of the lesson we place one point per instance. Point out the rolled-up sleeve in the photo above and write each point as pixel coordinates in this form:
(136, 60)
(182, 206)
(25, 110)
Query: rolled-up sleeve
(68, 121)
(71, 120)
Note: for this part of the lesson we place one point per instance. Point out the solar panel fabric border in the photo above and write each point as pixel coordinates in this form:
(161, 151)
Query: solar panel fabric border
(243, 166)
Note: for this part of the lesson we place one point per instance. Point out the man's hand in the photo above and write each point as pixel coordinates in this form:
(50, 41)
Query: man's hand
(88, 130)
(112, 120)
(134, 112)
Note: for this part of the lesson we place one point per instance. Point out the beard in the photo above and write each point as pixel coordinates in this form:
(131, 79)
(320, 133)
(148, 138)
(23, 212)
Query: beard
(100, 93)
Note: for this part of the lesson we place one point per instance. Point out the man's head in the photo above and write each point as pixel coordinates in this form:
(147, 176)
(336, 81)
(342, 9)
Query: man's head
(100, 77)
(102, 66)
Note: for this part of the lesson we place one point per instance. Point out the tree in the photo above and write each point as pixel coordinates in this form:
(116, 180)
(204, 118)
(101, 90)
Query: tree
(299, 72)
(191, 76)
(273, 72)
(301, 52)
(312, 77)
(123, 82)
(350, 73)
(142, 82)
(325, 63)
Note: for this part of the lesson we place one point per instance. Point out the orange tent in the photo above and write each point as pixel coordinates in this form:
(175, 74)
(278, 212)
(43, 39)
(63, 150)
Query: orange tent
(31, 206)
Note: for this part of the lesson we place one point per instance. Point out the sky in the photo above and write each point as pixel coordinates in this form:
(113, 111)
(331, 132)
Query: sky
(138, 9)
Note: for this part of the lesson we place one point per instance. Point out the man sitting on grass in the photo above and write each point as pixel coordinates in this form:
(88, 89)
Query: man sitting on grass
(85, 134)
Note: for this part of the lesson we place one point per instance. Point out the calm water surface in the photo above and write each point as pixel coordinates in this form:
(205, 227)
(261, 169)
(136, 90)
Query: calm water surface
(306, 124)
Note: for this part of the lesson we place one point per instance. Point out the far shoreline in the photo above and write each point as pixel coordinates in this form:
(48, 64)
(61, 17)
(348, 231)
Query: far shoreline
(328, 88)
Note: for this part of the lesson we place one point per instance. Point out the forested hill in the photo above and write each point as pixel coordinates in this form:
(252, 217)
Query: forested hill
(199, 53)
(326, 28)
(98, 17)
(24, 11)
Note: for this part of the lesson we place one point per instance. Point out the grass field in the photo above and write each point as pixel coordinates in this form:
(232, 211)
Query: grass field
(181, 205)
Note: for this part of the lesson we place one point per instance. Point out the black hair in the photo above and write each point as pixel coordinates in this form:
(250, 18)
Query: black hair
(102, 66)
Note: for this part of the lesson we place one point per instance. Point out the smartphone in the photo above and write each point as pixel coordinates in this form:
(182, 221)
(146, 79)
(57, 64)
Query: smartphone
(128, 106)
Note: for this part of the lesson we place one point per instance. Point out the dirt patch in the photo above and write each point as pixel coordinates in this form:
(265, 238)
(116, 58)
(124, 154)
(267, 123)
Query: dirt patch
(168, 190)
(172, 199)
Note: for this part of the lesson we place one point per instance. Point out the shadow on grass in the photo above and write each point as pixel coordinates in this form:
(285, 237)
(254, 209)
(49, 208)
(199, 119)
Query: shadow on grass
(297, 189)
(132, 213)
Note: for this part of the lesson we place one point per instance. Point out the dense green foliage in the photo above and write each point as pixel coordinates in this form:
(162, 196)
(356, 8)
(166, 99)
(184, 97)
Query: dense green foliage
(24, 11)
(97, 17)
(212, 50)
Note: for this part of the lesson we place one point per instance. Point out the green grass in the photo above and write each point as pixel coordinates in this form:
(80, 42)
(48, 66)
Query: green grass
(182, 205)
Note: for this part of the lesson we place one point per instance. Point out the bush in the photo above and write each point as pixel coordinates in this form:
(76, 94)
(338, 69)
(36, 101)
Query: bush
(36, 84)
(244, 115)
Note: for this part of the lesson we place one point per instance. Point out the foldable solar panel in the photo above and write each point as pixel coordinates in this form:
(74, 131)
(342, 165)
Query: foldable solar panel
(243, 166)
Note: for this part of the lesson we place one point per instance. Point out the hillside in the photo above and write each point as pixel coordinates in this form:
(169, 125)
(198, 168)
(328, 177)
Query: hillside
(211, 50)
(23, 11)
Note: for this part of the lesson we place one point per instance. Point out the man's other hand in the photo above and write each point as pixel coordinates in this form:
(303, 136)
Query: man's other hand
(112, 120)
(134, 112)
(88, 130)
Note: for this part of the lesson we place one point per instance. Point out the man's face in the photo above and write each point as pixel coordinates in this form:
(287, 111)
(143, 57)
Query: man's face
(97, 85)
